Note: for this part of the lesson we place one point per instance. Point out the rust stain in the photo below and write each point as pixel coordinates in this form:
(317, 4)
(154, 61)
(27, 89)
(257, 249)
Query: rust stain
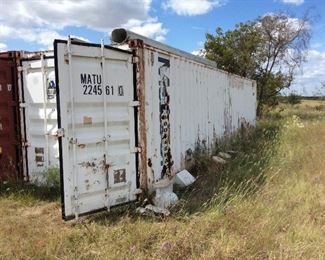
(66, 59)
(138, 51)
(149, 163)
(91, 166)
(88, 164)
(88, 120)
(104, 166)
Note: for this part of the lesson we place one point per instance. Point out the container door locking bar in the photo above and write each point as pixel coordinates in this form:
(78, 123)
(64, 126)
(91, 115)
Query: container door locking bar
(60, 132)
(134, 103)
(136, 150)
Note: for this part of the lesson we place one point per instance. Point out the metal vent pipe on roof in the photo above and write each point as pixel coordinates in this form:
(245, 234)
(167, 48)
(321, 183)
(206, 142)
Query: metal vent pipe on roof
(122, 36)
(119, 35)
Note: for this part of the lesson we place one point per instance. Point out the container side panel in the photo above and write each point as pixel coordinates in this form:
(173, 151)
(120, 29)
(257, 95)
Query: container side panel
(204, 104)
(40, 117)
(98, 148)
(10, 147)
(157, 76)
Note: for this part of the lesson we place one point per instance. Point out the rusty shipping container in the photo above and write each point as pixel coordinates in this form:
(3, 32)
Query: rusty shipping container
(130, 117)
(10, 141)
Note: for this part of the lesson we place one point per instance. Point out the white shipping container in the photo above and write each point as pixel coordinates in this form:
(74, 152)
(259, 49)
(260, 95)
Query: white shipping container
(189, 102)
(39, 115)
(96, 111)
(130, 119)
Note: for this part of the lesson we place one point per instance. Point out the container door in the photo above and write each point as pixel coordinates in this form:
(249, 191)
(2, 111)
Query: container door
(40, 116)
(96, 127)
(9, 120)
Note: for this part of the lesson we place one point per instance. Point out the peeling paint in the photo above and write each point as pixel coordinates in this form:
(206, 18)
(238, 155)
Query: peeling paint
(164, 99)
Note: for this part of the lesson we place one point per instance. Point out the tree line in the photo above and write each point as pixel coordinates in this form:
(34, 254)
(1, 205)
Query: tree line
(269, 50)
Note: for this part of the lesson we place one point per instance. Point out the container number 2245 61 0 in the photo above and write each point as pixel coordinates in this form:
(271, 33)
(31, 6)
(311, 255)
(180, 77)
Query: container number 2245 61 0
(91, 84)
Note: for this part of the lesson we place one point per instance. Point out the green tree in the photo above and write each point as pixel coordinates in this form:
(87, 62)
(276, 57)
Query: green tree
(269, 50)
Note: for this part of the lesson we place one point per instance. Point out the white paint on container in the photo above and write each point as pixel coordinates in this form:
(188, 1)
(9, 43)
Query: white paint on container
(204, 104)
(39, 115)
(98, 150)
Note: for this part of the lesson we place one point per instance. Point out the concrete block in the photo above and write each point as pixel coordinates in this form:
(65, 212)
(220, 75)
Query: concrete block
(184, 178)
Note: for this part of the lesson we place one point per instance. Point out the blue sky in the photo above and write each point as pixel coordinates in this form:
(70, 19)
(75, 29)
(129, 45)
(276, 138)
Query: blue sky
(33, 24)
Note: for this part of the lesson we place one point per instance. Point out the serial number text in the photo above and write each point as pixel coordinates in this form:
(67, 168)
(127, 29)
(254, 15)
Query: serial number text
(91, 84)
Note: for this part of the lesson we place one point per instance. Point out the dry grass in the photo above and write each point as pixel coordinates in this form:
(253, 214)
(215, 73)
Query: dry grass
(268, 203)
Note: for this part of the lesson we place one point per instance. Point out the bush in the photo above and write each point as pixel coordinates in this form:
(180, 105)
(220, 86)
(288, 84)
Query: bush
(294, 99)
(52, 177)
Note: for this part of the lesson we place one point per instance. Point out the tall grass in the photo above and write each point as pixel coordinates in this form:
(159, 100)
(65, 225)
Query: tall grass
(253, 150)
(267, 202)
(31, 193)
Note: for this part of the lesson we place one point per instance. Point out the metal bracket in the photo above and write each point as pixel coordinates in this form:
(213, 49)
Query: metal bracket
(137, 191)
(60, 132)
(134, 103)
(135, 59)
(25, 144)
(136, 150)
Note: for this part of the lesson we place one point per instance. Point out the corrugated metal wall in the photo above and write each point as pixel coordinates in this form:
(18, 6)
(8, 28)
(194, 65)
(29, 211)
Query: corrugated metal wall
(40, 115)
(98, 154)
(10, 152)
(204, 104)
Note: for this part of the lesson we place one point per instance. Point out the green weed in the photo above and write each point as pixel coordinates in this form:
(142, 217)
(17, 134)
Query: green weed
(267, 202)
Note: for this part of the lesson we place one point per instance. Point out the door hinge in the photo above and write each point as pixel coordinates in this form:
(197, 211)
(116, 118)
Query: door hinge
(25, 144)
(60, 132)
(20, 68)
(22, 105)
(134, 103)
(135, 59)
(137, 191)
(136, 150)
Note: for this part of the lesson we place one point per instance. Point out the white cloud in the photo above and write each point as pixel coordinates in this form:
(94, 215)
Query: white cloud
(200, 53)
(293, 2)
(150, 28)
(309, 80)
(191, 7)
(41, 21)
(96, 14)
(42, 36)
(292, 23)
(316, 45)
(3, 46)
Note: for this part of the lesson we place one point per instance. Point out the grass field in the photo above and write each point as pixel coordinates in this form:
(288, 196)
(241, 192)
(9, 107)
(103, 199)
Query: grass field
(268, 202)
